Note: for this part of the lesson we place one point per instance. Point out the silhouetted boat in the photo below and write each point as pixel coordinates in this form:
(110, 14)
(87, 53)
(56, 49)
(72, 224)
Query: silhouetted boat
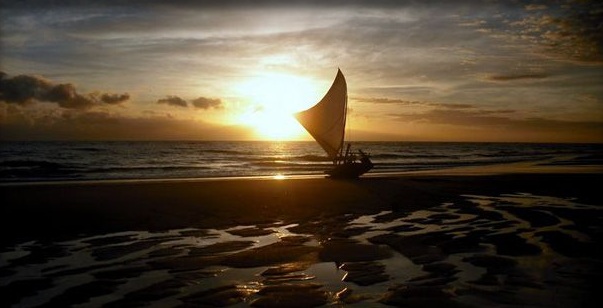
(326, 122)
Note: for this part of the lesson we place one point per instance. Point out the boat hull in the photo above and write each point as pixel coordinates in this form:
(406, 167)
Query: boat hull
(350, 170)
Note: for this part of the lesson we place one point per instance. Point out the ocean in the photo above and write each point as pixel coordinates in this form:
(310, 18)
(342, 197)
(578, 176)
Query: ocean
(56, 161)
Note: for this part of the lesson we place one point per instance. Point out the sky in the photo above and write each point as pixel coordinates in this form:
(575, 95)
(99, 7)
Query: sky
(501, 71)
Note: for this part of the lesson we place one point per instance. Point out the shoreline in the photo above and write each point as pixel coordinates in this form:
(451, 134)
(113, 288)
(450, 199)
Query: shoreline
(546, 166)
(50, 209)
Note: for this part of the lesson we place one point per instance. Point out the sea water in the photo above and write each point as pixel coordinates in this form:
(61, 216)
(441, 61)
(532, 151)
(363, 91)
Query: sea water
(48, 161)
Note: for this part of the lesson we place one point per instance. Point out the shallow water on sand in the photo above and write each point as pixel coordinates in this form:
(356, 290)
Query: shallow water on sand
(509, 250)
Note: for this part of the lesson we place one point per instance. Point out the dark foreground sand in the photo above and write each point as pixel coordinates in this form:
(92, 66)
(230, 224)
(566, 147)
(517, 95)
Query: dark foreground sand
(463, 238)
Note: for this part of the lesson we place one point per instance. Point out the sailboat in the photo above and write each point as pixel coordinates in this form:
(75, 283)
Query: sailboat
(326, 122)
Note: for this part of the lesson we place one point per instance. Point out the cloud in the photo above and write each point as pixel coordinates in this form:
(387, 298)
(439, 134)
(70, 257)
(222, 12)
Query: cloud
(516, 77)
(207, 103)
(569, 31)
(229, 4)
(23, 89)
(66, 96)
(459, 117)
(200, 103)
(414, 103)
(373, 100)
(27, 89)
(497, 127)
(173, 100)
(535, 7)
(113, 99)
(418, 54)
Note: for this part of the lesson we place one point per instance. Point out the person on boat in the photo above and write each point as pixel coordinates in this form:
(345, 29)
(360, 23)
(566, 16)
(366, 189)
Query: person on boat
(365, 158)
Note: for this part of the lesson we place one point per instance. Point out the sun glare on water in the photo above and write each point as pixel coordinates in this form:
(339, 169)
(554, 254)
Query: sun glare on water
(275, 98)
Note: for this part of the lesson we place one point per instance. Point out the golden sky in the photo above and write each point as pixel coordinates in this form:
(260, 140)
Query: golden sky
(512, 71)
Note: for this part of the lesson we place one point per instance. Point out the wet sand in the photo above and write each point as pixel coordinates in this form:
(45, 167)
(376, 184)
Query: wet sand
(513, 235)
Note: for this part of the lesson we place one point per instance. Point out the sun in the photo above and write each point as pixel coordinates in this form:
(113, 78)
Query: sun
(275, 97)
(273, 124)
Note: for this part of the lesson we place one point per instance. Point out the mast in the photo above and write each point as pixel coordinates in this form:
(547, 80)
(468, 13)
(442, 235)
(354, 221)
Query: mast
(345, 120)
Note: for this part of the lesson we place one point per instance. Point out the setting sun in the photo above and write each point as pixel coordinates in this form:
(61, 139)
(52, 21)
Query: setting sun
(275, 97)
(273, 124)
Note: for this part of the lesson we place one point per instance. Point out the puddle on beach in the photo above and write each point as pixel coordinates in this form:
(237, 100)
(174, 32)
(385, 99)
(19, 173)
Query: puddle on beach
(516, 249)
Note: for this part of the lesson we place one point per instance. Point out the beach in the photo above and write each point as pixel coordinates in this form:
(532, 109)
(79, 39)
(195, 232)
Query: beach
(496, 236)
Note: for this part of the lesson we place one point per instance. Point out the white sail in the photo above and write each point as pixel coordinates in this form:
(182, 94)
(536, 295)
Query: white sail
(325, 121)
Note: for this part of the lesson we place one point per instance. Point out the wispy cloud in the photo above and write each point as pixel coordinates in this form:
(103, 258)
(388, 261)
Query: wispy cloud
(508, 128)
(413, 103)
(566, 31)
(536, 7)
(516, 77)
(536, 60)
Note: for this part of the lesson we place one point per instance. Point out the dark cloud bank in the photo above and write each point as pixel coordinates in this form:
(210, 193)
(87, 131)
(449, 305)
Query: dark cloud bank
(16, 124)
(78, 119)
(27, 89)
